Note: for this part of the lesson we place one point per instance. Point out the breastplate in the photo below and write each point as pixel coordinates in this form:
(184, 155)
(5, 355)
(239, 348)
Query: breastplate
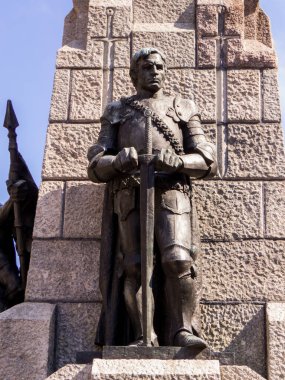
(131, 132)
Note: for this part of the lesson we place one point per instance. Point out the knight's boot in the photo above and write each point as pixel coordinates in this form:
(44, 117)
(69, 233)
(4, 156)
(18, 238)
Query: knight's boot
(182, 302)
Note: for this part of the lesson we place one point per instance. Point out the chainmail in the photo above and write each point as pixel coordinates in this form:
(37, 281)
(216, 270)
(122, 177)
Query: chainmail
(158, 122)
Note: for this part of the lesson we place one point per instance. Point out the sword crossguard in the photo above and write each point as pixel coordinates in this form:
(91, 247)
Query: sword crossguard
(146, 158)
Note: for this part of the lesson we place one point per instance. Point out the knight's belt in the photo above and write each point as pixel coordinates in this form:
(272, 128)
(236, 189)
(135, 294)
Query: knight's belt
(164, 181)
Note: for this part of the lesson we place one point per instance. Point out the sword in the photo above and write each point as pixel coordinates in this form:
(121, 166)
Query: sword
(147, 210)
(11, 123)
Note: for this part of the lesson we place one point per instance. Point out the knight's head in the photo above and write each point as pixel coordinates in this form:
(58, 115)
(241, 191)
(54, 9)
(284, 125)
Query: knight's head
(148, 69)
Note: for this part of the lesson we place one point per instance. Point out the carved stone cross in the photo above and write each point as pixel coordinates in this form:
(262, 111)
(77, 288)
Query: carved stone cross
(109, 56)
(221, 89)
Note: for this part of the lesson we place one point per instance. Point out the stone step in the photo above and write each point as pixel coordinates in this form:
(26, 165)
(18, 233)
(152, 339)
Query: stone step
(138, 369)
(135, 369)
(72, 372)
(239, 373)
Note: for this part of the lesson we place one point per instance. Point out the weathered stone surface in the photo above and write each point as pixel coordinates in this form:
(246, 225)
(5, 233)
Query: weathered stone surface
(121, 54)
(208, 2)
(92, 55)
(255, 151)
(166, 40)
(72, 372)
(210, 132)
(239, 373)
(250, 21)
(207, 21)
(73, 57)
(85, 101)
(197, 85)
(125, 369)
(275, 318)
(263, 32)
(270, 91)
(244, 271)
(27, 341)
(274, 209)
(243, 95)
(207, 53)
(75, 331)
(228, 210)
(60, 95)
(122, 84)
(75, 25)
(70, 273)
(248, 54)
(99, 10)
(69, 33)
(164, 12)
(49, 210)
(238, 331)
(66, 150)
(83, 210)
(234, 18)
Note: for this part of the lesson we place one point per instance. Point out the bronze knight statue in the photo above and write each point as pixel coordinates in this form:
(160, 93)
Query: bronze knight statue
(180, 150)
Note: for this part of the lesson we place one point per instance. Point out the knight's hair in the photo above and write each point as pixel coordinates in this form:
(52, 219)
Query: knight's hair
(142, 54)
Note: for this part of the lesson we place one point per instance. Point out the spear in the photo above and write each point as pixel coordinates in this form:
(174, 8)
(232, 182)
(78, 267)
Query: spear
(11, 123)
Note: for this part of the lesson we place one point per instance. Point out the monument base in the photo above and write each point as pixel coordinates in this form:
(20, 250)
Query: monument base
(135, 369)
(147, 369)
(159, 353)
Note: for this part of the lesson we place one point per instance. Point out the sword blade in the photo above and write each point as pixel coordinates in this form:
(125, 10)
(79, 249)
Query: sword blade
(147, 210)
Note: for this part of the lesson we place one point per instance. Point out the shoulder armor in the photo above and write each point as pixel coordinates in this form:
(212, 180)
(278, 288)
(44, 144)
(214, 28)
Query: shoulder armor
(114, 112)
(208, 151)
(185, 108)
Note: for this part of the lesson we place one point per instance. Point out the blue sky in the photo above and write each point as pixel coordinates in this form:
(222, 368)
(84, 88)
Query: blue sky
(30, 34)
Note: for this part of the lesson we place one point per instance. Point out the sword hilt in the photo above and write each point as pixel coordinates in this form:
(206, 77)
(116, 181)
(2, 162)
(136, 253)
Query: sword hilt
(148, 132)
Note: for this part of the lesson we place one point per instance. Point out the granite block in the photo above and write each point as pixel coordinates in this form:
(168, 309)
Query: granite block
(255, 151)
(49, 210)
(66, 150)
(83, 210)
(27, 341)
(64, 270)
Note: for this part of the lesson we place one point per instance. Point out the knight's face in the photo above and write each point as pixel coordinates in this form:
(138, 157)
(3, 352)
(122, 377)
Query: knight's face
(151, 73)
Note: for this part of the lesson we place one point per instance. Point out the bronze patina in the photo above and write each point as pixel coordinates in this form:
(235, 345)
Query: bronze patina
(149, 147)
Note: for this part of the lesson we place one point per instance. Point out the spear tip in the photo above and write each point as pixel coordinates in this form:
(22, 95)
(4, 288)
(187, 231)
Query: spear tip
(10, 117)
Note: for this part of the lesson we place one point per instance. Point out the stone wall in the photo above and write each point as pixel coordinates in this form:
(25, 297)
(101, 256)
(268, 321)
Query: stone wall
(220, 55)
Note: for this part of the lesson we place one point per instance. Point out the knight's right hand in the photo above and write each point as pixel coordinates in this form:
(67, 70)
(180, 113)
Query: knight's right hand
(126, 160)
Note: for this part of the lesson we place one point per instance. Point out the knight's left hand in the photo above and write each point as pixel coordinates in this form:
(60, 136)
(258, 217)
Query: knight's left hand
(168, 161)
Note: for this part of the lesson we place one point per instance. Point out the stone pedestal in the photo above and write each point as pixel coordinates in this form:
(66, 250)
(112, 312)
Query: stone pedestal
(27, 334)
(134, 369)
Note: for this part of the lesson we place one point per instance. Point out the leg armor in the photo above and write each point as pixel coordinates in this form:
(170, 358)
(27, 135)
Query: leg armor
(182, 298)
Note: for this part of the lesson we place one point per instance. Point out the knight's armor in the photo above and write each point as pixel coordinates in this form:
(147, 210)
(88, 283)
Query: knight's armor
(176, 126)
